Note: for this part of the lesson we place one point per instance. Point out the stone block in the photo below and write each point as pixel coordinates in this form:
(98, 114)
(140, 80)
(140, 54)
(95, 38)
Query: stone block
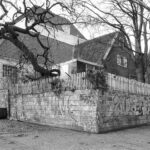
(90, 112)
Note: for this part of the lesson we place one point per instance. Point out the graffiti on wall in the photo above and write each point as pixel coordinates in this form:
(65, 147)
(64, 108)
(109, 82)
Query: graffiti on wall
(67, 109)
(91, 98)
(59, 107)
(88, 99)
(124, 104)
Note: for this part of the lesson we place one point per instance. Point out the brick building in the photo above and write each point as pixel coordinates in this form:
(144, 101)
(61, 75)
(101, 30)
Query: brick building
(109, 51)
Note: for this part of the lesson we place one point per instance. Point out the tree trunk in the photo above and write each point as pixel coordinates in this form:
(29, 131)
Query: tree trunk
(43, 71)
(147, 75)
(139, 59)
(139, 67)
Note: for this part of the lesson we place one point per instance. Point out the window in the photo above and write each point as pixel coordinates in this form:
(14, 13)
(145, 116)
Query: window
(122, 61)
(125, 62)
(90, 67)
(11, 72)
(119, 60)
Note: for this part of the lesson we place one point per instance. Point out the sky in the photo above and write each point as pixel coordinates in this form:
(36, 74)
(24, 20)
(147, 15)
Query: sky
(89, 32)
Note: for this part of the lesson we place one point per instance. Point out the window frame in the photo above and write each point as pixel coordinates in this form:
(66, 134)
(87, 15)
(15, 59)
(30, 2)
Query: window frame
(122, 61)
(10, 72)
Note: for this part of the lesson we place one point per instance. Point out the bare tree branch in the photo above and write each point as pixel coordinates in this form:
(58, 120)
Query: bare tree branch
(33, 16)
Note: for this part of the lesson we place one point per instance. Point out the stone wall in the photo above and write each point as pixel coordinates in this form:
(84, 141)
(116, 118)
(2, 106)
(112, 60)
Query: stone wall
(3, 98)
(84, 110)
(4, 104)
(69, 110)
(116, 110)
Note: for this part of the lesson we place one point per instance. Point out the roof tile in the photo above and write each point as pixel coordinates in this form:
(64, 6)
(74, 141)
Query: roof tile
(95, 49)
(59, 51)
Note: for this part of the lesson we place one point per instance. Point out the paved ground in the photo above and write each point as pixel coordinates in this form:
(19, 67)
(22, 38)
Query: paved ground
(24, 136)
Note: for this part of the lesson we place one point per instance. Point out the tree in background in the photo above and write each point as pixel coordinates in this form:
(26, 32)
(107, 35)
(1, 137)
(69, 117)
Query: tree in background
(131, 18)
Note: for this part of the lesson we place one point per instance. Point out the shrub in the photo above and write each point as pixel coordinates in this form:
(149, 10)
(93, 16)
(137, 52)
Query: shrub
(98, 79)
(56, 86)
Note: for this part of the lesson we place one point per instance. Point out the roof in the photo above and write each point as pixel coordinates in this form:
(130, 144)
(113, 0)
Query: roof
(59, 51)
(58, 20)
(95, 49)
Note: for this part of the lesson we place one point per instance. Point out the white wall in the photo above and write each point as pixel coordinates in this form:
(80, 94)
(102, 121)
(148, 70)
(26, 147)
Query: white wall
(64, 70)
(56, 34)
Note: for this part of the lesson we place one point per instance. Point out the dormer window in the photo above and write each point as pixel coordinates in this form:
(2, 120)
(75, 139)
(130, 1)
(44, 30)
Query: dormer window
(122, 61)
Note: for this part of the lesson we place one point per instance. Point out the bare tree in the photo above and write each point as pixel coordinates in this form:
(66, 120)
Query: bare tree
(28, 11)
(130, 17)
